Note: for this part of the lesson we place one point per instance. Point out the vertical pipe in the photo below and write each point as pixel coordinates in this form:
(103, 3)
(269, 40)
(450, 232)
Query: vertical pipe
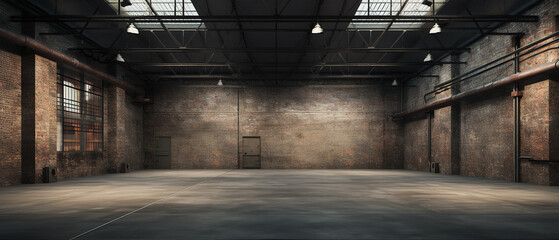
(238, 130)
(516, 109)
(429, 128)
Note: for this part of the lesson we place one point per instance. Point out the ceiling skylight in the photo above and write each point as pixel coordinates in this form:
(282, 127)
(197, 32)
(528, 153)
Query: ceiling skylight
(161, 8)
(391, 8)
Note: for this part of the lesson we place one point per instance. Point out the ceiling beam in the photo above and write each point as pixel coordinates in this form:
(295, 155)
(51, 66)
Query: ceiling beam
(287, 76)
(447, 29)
(392, 64)
(273, 50)
(273, 19)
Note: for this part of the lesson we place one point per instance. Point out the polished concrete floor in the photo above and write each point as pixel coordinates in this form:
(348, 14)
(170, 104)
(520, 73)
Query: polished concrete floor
(279, 204)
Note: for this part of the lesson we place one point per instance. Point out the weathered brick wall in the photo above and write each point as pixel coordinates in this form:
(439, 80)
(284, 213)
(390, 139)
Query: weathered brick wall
(10, 117)
(300, 127)
(116, 142)
(38, 116)
(45, 115)
(534, 137)
(486, 137)
(33, 137)
(415, 142)
(133, 133)
(482, 128)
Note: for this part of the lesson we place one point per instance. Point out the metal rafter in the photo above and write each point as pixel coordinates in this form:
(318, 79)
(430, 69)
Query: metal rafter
(273, 19)
(272, 50)
(272, 64)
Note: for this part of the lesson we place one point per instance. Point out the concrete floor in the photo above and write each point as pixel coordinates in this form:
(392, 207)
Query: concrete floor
(279, 204)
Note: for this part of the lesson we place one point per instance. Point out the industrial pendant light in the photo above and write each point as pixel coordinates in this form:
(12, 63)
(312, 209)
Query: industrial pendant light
(427, 3)
(395, 82)
(125, 3)
(435, 29)
(317, 29)
(132, 29)
(220, 83)
(428, 58)
(119, 58)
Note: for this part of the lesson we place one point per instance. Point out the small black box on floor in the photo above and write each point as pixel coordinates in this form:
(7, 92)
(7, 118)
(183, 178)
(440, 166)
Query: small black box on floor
(49, 175)
(124, 168)
(435, 168)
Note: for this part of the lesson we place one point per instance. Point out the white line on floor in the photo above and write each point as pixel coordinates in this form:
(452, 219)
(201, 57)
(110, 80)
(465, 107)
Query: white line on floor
(162, 199)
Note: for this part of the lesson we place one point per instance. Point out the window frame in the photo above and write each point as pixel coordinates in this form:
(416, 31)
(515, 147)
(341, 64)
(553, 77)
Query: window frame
(81, 114)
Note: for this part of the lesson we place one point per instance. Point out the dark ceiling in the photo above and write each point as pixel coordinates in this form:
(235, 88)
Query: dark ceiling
(260, 39)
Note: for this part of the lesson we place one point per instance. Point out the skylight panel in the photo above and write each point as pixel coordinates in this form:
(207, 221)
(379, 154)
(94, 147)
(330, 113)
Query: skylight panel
(160, 8)
(391, 8)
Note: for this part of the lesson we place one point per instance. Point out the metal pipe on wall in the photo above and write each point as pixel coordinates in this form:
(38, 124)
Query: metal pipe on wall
(54, 55)
(516, 95)
(515, 78)
(429, 141)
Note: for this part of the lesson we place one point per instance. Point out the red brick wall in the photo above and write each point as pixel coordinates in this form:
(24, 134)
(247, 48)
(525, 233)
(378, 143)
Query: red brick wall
(10, 118)
(45, 115)
(476, 139)
(38, 116)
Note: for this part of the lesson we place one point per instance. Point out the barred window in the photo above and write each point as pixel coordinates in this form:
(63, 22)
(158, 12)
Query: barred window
(79, 112)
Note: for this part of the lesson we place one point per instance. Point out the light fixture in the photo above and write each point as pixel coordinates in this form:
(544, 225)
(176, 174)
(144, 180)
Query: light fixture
(435, 29)
(428, 58)
(220, 83)
(125, 3)
(317, 29)
(427, 3)
(132, 29)
(395, 82)
(119, 58)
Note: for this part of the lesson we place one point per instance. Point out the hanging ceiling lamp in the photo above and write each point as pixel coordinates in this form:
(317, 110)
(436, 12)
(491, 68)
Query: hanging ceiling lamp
(119, 58)
(395, 82)
(317, 29)
(435, 29)
(220, 83)
(132, 29)
(428, 58)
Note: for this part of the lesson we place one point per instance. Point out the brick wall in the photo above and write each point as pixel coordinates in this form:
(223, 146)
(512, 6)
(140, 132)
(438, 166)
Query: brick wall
(38, 116)
(300, 127)
(10, 117)
(474, 137)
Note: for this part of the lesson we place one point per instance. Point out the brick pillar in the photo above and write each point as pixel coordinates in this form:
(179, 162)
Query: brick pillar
(554, 131)
(10, 118)
(115, 145)
(393, 157)
(455, 120)
(38, 116)
(446, 125)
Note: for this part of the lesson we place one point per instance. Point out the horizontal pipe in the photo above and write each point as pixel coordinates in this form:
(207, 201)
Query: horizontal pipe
(552, 66)
(552, 35)
(54, 55)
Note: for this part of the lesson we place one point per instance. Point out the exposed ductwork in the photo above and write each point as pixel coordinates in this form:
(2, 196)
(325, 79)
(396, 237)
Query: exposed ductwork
(54, 55)
(515, 78)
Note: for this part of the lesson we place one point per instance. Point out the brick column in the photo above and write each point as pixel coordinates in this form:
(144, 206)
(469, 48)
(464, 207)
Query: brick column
(38, 116)
(115, 145)
(10, 118)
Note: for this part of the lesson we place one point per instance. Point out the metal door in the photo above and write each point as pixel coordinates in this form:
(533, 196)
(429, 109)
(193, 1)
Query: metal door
(163, 152)
(251, 152)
